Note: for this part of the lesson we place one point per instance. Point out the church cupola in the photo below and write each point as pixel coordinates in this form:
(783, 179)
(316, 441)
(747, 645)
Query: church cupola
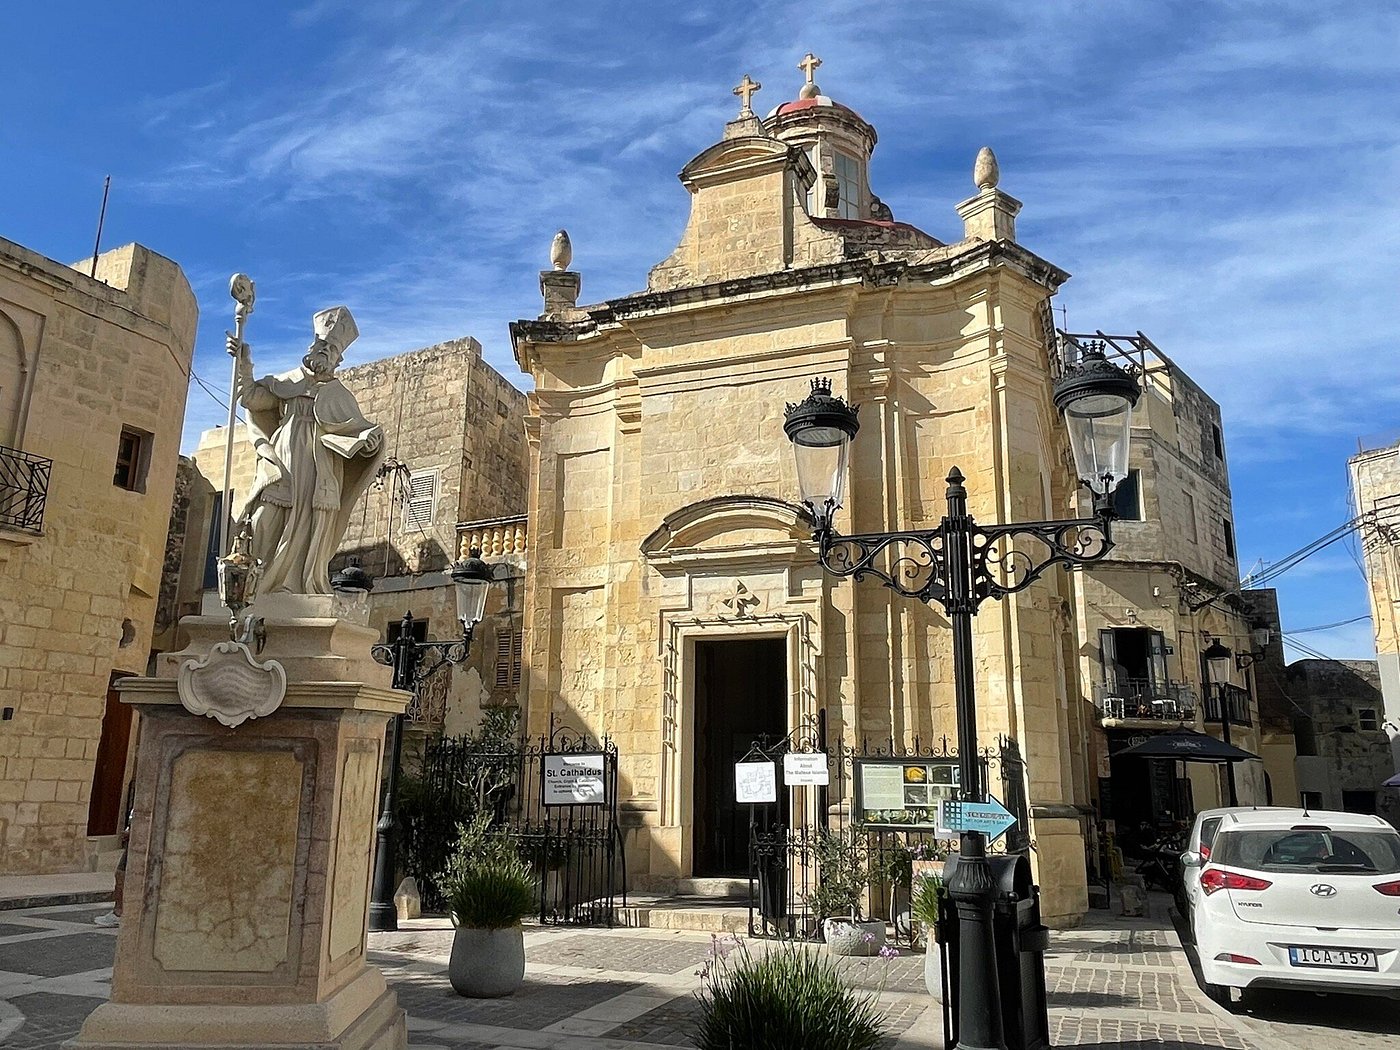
(837, 141)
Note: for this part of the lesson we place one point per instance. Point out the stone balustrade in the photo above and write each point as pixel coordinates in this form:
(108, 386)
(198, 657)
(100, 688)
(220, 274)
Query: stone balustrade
(496, 537)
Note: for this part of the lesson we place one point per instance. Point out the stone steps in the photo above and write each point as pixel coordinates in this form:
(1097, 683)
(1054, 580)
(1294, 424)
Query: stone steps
(703, 913)
(674, 886)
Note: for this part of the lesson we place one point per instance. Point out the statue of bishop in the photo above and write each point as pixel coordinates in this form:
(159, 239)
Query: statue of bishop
(316, 455)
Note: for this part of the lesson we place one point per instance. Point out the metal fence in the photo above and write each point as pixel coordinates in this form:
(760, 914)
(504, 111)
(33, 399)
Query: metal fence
(825, 849)
(24, 489)
(556, 797)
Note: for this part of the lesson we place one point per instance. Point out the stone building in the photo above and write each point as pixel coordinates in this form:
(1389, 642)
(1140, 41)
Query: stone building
(674, 598)
(455, 474)
(94, 368)
(1343, 745)
(1375, 489)
(1166, 592)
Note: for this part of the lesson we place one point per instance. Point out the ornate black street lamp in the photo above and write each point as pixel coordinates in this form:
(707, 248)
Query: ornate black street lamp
(959, 564)
(1218, 659)
(471, 578)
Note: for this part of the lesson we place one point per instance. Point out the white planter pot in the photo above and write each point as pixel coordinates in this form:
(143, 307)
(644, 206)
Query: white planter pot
(854, 937)
(933, 970)
(486, 964)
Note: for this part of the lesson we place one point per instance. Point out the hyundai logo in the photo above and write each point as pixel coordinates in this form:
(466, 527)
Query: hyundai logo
(1322, 889)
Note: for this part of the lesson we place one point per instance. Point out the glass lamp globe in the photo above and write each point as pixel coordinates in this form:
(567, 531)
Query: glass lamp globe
(1096, 398)
(472, 578)
(1217, 658)
(820, 429)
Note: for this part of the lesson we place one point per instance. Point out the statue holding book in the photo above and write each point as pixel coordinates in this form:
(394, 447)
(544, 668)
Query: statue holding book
(316, 455)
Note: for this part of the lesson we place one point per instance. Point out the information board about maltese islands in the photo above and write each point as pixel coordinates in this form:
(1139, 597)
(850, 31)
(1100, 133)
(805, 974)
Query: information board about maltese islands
(575, 780)
(903, 792)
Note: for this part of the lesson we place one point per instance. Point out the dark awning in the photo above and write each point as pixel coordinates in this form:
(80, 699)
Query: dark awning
(1189, 746)
(1393, 782)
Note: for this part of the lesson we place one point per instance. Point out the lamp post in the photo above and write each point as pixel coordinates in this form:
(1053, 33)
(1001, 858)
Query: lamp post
(1218, 659)
(959, 564)
(471, 578)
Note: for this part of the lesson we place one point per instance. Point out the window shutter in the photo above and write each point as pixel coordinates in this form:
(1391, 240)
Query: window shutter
(508, 643)
(420, 500)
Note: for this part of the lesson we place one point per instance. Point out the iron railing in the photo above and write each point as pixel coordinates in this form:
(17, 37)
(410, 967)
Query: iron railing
(1236, 705)
(24, 489)
(1123, 697)
(799, 867)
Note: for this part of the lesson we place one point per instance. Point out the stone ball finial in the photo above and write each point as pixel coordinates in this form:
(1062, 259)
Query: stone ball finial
(561, 252)
(985, 171)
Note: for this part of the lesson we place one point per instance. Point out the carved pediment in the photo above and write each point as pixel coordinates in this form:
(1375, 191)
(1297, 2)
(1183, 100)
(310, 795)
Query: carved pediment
(742, 527)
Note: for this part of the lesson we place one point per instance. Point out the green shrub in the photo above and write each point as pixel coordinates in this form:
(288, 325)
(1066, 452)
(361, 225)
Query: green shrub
(924, 901)
(486, 884)
(788, 998)
(842, 876)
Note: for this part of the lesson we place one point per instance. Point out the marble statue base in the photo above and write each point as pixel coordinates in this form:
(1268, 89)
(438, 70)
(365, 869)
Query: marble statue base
(251, 847)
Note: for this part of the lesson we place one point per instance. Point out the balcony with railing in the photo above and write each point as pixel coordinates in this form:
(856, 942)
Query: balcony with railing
(1129, 699)
(1236, 705)
(24, 489)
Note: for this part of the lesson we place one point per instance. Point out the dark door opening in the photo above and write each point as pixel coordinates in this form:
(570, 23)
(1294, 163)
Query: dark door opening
(740, 695)
(105, 815)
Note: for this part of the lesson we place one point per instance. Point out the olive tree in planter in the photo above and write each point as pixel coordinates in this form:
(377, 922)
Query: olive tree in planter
(842, 880)
(489, 890)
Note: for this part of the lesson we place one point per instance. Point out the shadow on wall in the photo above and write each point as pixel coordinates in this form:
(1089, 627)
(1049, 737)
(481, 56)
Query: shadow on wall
(381, 560)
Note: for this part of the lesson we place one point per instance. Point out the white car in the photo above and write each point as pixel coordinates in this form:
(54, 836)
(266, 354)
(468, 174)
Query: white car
(1288, 898)
(1199, 842)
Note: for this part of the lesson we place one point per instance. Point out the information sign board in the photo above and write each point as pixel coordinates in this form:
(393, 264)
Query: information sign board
(802, 770)
(575, 779)
(755, 782)
(903, 792)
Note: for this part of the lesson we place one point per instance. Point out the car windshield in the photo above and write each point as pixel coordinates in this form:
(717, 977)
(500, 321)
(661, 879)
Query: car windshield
(1311, 850)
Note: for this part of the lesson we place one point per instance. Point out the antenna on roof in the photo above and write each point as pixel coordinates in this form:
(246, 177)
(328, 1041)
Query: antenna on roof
(101, 218)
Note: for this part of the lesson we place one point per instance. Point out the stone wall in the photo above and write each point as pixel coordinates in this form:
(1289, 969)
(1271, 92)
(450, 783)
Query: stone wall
(77, 601)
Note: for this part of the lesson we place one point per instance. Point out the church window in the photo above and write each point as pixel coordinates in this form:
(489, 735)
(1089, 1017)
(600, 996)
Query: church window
(133, 459)
(846, 169)
(420, 500)
(1228, 530)
(1367, 719)
(1127, 497)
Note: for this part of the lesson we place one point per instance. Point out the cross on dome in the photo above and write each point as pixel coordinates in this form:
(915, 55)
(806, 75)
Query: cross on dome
(745, 91)
(809, 66)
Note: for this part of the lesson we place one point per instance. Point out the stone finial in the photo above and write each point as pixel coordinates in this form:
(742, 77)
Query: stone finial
(561, 251)
(985, 171)
(745, 91)
(809, 66)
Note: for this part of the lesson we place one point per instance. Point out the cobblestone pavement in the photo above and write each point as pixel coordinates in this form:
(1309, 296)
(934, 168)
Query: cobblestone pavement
(1113, 983)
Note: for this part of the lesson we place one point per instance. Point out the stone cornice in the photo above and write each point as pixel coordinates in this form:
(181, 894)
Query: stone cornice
(952, 262)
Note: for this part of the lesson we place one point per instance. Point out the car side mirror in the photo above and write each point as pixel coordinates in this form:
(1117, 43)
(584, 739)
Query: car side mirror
(1190, 859)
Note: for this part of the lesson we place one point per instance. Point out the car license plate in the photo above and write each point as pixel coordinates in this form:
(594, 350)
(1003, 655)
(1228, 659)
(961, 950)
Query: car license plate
(1333, 958)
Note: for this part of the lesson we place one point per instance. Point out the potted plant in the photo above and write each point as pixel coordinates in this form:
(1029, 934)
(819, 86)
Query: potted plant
(841, 884)
(926, 900)
(488, 890)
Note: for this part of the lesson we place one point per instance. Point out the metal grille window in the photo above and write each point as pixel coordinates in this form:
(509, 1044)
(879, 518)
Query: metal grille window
(1367, 717)
(508, 642)
(420, 500)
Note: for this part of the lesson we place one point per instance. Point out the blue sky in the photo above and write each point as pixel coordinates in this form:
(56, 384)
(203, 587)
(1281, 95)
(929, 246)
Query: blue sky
(1221, 176)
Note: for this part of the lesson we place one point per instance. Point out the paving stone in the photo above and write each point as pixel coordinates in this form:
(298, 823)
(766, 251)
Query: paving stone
(49, 1019)
(543, 1000)
(83, 914)
(59, 956)
(9, 929)
(634, 954)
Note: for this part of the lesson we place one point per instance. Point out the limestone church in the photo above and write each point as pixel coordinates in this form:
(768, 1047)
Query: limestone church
(674, 596)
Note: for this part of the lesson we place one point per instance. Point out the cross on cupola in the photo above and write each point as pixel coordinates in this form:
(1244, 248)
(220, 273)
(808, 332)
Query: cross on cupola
(809, 66)
(745, 91)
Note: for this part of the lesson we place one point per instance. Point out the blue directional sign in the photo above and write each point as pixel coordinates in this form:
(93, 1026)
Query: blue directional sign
(990, 818)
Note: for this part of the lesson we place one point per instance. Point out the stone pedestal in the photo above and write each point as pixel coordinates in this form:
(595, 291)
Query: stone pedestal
(251, 847)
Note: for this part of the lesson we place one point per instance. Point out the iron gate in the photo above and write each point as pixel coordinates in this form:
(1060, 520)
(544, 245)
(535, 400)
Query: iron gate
(828, 852)
(575, 846)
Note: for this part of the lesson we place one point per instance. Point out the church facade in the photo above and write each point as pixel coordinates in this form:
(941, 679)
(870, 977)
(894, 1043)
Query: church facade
(674, 600)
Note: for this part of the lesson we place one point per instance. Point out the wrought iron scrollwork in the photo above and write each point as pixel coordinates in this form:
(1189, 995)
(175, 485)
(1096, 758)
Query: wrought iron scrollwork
(918, 563)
